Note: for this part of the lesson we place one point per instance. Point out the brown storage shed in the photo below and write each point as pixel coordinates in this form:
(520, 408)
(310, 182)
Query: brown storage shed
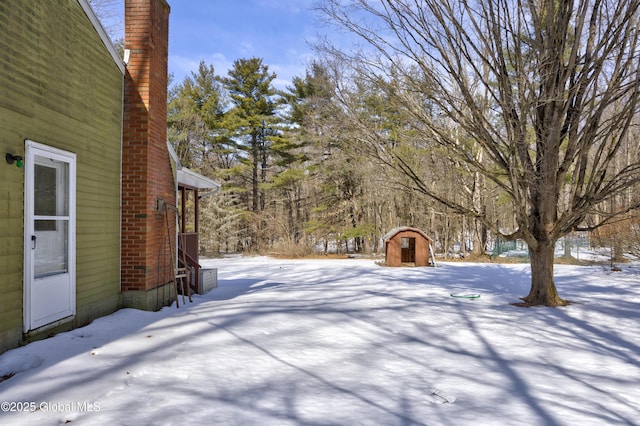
(405, 246)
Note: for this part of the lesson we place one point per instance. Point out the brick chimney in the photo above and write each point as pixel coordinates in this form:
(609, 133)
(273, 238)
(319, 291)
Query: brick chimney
(147, 176)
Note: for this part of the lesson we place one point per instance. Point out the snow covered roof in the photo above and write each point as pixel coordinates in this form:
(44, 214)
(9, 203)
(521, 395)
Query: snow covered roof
(394, 231)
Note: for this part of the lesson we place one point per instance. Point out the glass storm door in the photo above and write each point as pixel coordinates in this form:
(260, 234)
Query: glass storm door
(49, 284)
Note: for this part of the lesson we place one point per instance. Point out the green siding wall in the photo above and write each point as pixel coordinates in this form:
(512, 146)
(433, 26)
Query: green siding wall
(59, 86)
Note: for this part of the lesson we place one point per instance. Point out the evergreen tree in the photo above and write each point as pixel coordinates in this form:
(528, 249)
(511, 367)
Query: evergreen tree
(259, 129)
(194, 120)
(253, 110)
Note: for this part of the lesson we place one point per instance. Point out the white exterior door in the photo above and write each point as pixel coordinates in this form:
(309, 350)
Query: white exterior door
(49, 243)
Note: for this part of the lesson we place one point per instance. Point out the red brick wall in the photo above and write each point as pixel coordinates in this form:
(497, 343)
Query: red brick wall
(146, 170)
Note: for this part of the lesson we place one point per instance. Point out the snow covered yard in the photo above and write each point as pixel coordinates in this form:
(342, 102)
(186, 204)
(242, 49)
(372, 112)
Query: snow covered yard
(346, 342)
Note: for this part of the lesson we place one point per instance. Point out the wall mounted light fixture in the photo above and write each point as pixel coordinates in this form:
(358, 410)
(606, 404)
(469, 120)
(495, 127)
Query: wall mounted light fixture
(14, 159)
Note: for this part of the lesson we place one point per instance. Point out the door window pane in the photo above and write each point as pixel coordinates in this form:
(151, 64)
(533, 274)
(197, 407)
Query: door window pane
(45, 184)
(404, 242)
(51, 179)
(51, 252)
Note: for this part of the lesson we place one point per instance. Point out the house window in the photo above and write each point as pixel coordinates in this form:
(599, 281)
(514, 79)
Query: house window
(404, 242)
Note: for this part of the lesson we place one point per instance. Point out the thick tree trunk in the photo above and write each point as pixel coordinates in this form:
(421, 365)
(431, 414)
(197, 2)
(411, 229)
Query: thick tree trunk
(479, 238)
(543, 288)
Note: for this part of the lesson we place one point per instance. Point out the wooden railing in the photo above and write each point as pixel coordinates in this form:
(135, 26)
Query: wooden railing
(188, 250)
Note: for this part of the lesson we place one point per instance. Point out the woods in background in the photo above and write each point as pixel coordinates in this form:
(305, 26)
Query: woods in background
(486, 120)
(295, 178)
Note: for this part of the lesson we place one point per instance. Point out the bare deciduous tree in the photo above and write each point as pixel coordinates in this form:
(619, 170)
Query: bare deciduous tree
(548, 90)
(111, 15)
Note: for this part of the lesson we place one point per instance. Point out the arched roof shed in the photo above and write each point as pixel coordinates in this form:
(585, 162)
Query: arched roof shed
(406, 246)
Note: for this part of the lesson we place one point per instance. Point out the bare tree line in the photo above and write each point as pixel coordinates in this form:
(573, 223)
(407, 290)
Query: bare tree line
(540, 98)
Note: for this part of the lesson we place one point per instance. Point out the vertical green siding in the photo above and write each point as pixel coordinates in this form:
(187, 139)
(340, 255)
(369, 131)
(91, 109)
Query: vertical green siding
(59, 86)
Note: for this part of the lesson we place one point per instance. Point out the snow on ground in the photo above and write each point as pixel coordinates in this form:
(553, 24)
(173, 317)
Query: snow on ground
(347, 342)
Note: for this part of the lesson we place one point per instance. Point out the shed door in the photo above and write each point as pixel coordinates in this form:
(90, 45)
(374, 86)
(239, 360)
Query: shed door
(49, 282)
(408, 247)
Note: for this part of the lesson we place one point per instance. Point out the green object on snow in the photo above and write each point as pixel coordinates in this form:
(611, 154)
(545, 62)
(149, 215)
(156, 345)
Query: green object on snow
(465, 296)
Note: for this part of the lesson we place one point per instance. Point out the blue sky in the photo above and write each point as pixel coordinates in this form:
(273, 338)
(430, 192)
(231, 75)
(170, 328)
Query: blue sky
(222, 31)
